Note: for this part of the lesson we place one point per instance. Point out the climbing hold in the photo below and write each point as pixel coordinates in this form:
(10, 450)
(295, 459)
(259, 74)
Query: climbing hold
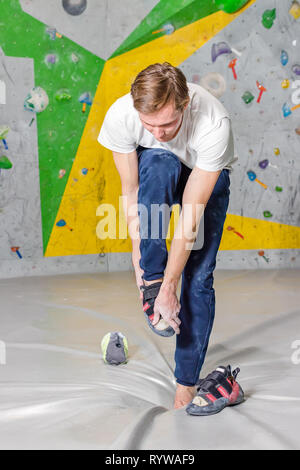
(85, 171)
(74, 7)
(267, 214)
(261, 90)
(167, 29)
(284, 58)
(277, 151)
(295, 9)
(263, 164)
(214, 83)
(5, 144)
(37, 100)
(262, 254)
(278, 189)
(297, 130)
(285, 83)
(63, 95)
(74, 58)
(52, 33)
(286, 110)
(296, 69)
(85, 98)
(63, 223)
(248, 97)
(232, 65)
(230, 6)
(5, 163)
(252, 177)
(268, 18)
(114, 348)
(4, 130)
(232, 229)
(51, 59)
(61, 173)
(219, 49)
(15, 249)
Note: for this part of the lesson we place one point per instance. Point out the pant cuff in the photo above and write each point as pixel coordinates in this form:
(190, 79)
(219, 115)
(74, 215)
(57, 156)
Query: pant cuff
(187, 384)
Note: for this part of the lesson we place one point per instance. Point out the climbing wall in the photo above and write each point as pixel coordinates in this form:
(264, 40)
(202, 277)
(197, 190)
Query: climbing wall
(64, 62)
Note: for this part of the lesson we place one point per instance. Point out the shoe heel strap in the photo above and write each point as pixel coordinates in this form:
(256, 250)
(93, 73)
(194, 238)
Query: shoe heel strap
(152, 291)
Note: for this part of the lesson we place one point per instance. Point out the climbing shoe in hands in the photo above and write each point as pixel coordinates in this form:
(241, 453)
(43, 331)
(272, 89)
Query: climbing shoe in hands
(162, 328)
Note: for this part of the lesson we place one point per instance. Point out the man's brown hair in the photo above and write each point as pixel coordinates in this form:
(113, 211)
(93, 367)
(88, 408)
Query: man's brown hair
(158, 85)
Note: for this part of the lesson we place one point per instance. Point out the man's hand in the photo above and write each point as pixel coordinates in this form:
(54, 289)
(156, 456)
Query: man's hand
(167, 306)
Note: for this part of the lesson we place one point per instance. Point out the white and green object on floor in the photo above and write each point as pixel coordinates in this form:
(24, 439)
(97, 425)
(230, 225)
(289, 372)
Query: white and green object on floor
(114, 347)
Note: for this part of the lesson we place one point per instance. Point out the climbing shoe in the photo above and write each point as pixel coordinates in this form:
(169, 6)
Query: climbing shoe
(218, 390)
(162, 328)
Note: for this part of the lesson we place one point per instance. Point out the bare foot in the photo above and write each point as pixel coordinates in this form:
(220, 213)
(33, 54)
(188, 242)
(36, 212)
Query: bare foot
(184, 395)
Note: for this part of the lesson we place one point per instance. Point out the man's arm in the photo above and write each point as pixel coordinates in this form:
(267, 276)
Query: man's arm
(127, 166)
(196, 194)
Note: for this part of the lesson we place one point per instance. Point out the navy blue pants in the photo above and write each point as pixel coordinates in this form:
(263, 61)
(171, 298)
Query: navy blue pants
(162, 179)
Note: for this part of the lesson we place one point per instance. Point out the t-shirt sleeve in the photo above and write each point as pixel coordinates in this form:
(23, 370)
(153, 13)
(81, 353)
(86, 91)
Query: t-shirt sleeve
(215, 150)
(113, 134)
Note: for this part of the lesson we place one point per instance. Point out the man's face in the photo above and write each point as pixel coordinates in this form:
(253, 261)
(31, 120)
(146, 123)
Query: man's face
(163, 124)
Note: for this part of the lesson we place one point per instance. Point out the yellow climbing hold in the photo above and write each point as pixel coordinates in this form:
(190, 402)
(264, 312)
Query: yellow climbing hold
(277, 151)
(295, 10)
(285, 83)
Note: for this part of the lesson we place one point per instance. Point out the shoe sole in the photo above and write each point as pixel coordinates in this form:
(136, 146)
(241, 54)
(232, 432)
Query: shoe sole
(168, 332)
(220, 402)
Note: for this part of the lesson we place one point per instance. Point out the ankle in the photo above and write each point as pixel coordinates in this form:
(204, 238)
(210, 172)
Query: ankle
(148, 283)
(185, 387)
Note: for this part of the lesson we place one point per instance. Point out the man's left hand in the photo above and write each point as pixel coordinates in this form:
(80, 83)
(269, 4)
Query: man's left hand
(168, 307)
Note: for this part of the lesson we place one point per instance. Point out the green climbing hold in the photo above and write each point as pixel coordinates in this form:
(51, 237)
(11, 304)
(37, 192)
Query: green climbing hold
(268, 18)
(5, 163)
(278, 189)
(230, 6)
(248, 97)
(267, 214)
(63, 95)
(4, 130)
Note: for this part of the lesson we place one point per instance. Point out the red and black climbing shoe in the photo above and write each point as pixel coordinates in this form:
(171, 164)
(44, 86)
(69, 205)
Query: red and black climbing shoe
(218, 390)
(162, 328)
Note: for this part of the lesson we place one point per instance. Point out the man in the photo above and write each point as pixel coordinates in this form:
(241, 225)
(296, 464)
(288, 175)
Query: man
(172, 143)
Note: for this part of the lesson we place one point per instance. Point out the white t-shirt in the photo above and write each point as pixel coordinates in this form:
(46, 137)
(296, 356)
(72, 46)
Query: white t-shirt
(204, 140)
